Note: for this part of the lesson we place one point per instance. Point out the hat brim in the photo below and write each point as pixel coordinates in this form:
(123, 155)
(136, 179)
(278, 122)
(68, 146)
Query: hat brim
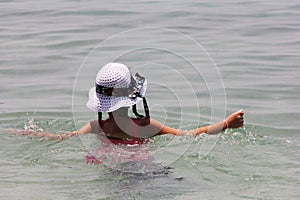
(103, 103)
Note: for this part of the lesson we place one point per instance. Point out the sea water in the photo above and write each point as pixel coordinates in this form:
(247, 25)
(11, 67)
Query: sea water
(203, 60)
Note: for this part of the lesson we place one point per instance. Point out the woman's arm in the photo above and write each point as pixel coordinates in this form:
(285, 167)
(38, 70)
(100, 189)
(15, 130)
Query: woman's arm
(83, 130)
(53, 136)
(235, 120)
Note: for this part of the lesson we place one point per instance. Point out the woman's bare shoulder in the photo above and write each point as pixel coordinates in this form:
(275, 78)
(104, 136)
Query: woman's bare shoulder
(145, 121)
(91, 127)
(94, 123)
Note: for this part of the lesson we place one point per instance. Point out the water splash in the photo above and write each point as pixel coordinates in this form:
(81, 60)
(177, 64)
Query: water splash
(32, 125)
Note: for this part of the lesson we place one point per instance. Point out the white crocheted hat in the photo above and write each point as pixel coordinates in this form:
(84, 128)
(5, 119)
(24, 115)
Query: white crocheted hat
(116, 75)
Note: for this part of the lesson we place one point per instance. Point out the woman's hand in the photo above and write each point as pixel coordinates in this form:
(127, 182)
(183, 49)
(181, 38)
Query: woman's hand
(235, 120)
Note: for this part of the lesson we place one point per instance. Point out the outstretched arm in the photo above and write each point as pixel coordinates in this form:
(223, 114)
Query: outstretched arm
(235, 120)
(52, 136)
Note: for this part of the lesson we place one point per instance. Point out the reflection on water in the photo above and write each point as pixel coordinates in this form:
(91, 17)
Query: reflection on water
(155, 181)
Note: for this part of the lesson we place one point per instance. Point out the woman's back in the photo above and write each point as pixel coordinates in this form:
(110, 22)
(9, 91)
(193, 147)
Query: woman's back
(124, 128)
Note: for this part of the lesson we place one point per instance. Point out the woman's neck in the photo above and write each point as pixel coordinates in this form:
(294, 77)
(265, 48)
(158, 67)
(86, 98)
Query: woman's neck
(123, 112)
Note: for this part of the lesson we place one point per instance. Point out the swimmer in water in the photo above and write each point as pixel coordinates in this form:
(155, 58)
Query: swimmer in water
(115, 91)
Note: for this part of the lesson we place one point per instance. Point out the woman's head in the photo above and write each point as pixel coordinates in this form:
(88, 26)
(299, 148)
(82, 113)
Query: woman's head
(115, 88)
